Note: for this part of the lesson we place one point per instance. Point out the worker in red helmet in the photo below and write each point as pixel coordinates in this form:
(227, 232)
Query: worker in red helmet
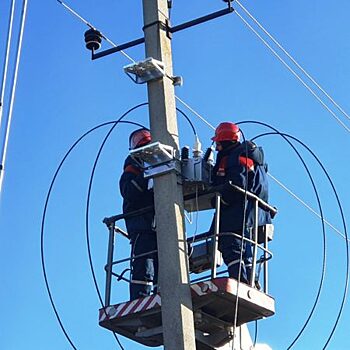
(240, 163)
(137, 195)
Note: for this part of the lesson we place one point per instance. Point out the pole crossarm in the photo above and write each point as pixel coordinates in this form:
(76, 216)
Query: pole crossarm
(167, 28)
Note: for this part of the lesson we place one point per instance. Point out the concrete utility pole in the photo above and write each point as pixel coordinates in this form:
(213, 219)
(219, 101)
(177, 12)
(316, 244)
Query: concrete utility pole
(177, 315)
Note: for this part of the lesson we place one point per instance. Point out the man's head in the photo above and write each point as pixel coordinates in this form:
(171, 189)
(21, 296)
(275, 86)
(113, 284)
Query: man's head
(139, 137)
(226, 134)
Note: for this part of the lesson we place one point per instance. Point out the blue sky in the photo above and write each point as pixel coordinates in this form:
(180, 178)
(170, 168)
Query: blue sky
(228, 75)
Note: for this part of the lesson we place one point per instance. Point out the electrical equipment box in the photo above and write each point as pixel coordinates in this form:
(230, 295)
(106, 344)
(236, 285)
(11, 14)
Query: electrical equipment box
(156, 159)
(196, 172)
(197, 178)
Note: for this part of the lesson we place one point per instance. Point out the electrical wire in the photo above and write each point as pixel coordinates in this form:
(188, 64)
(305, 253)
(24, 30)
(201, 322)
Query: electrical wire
(6, 59)
(286, 136)
(194, 112)
(44, 219)
(255, 333)
(42, 231)
(324, 256)
(188, 119)
(346, 285)
(306, 205)
(245, 203)
(13, 91)
(87, 213)
(293, 72)
(294, 61)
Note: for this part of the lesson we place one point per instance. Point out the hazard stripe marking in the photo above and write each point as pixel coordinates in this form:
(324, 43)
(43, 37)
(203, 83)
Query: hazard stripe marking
(129, 307)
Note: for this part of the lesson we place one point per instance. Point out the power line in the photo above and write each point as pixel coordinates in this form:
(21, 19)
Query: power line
(293, 72)
(294, 60)
(346, 285)
(42, 233)
(305, 204)
(13, 91)
(6, 60)
(285, 137)
(194, 112)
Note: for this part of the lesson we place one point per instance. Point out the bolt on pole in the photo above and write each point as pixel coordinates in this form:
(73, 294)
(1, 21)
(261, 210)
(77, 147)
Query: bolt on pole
(177, 315)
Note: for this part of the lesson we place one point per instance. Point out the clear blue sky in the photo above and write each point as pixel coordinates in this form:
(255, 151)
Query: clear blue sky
(228, 75)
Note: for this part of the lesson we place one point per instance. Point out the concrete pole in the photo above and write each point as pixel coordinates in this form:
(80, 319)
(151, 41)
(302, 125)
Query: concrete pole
(177, 315)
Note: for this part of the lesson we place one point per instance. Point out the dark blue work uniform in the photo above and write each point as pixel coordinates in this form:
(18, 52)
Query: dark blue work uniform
(136, 195)
(243, 165)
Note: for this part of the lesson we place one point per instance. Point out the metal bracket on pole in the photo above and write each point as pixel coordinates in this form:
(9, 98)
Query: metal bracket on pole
(157, 159)
(148, 70)
(169, 30)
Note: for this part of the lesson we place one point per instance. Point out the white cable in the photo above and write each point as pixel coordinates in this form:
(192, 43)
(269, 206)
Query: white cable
(6, 60)
(92, 27)
(194, 112)
(292, 71)
(293, 60)
(13, 91)
(307, 206)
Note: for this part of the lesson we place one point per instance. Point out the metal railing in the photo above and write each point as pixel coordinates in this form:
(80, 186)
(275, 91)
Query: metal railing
(211, 237)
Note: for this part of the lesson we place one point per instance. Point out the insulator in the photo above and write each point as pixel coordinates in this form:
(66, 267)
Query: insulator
(93, 39)
(208, 156)
(185, 152)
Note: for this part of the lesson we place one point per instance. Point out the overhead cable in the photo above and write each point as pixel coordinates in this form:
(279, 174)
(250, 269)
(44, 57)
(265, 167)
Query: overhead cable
(294, 60)
(194, 112)
(12, 92)
(6, 59)
(305, 204)
(42, 232)
(346, 284)
(293, 72)
(93, 27)
(324, 256)
(245, 203)
(285, 137)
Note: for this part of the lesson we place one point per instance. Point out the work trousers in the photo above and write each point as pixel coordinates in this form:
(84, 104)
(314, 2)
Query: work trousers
(230, 246)
(144, 270)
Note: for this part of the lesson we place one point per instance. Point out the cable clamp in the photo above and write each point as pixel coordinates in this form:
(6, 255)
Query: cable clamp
(163, 26)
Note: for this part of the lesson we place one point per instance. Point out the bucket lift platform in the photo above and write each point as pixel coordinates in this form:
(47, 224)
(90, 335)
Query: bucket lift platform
(214, 304)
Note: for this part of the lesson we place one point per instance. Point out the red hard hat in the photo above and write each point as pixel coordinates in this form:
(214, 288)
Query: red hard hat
(139, 138)
(226, 131)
